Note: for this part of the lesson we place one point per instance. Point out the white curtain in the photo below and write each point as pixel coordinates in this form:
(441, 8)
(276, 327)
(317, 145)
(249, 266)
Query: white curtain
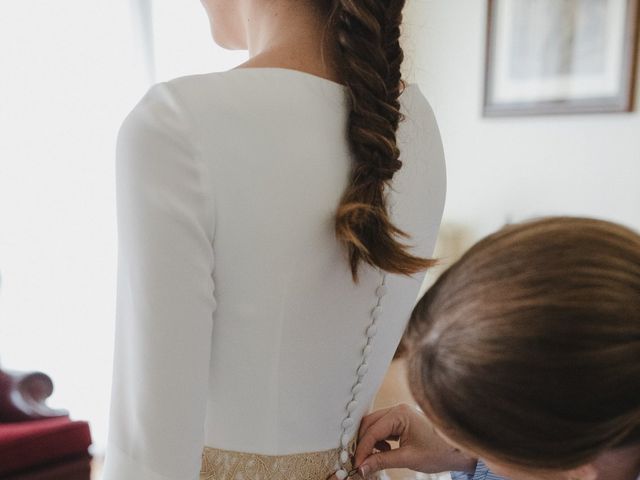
(70, 71)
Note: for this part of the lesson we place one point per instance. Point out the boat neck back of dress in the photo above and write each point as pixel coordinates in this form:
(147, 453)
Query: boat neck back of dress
(293, 72)
(258, 78)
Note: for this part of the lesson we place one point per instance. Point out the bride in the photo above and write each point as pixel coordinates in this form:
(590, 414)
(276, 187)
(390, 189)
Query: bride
(274, 225)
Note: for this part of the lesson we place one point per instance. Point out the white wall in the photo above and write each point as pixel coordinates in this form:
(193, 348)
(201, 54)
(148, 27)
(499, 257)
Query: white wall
(182, 41)
(512, 168)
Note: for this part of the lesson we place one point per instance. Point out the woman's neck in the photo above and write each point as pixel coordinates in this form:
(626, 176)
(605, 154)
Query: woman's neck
(619, 464)
(283, 33)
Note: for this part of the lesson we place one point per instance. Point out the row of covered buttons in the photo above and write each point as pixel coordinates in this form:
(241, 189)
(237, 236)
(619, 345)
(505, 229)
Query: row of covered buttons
(348, 421)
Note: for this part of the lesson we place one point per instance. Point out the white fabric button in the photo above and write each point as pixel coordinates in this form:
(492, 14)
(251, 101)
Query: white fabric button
(371, 331)
(347, 422)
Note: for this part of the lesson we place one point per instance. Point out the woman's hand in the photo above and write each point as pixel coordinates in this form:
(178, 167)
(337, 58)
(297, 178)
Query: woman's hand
(420, 447)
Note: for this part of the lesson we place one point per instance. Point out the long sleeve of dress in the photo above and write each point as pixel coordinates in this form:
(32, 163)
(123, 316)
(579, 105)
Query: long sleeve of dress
(165, 296)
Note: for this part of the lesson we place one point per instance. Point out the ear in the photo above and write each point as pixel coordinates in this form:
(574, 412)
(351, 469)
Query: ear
(583, 472)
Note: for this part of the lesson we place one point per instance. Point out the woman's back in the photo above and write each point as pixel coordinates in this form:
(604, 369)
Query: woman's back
(239, 173)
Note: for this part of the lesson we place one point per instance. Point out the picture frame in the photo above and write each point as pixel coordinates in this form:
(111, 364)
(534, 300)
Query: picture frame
(560, 56)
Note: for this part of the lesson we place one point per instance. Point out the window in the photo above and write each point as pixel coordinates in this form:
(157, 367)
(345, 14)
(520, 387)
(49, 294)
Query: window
(69, 73)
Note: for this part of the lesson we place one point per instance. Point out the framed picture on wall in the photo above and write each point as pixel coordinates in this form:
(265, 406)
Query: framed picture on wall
(560, 56)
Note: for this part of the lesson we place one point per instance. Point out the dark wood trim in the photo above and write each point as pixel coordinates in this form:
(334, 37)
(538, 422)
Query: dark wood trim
(488, 54)
(632, 51)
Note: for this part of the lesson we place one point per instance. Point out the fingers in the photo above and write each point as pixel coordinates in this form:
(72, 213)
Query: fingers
(367, 420)
(382, 425)
(396, 458)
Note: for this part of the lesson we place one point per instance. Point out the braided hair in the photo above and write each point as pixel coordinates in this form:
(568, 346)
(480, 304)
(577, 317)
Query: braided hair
(368, 59)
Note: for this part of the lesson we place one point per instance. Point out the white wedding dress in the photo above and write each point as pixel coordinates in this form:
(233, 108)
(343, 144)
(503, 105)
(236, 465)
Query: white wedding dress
(238, 325)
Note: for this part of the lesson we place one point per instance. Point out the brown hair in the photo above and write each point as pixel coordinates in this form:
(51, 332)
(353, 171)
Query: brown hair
(528, 347)
(368, 60)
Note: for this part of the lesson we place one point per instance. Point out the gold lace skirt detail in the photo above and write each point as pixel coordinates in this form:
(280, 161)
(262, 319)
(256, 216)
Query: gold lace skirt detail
(219, 464)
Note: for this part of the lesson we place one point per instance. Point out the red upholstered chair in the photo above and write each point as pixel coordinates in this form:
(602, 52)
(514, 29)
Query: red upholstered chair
(37, 442)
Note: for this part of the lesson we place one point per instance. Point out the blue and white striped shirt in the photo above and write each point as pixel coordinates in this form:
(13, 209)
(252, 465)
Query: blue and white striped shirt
(481, 473)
